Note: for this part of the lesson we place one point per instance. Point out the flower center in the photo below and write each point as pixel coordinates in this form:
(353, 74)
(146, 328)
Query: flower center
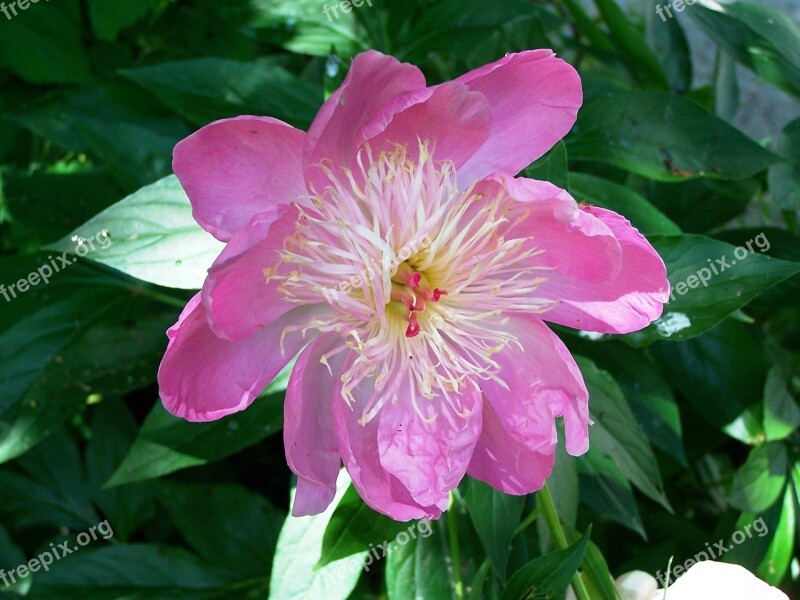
(418, 272)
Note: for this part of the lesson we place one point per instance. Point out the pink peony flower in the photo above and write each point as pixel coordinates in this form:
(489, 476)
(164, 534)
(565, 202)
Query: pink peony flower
(393, 249)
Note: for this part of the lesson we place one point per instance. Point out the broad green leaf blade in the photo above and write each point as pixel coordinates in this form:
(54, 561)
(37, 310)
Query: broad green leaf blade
(726, 87)
(761, 480)
(109, 17)
(419, 569)
(42, 43)
(150, 235)
(650, 397)
(720, 375)
(547, 576)
(709, 280)
(51, 489)
(760, 37)
(670, 47)
(206, 89)
(226, 524)
(636, 54)
(298, 551)
(607, 491)
(621, 199)
(167, 444)
(552, 167)
(141, 571)
(781, 413)
(616, 434)
(113, 433)
(774, 566)
(495, 516)
(663, 137)
(784, 177)
(354, 526)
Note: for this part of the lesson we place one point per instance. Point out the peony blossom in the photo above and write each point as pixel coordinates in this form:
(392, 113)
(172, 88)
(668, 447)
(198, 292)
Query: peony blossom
(392, 247)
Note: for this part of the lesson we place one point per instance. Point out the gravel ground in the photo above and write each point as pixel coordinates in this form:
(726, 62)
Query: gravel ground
(764, 110)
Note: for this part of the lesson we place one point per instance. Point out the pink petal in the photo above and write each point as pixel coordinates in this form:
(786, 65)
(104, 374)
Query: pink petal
(204, 378)
(627, 302)
(430, 459)
(235, 168)
(308, 432)
(372, 82)
(504, 462)
(455, 120)
(534, 98)
(571, 243)
(358, 446)
(236, 294)
(542, 382)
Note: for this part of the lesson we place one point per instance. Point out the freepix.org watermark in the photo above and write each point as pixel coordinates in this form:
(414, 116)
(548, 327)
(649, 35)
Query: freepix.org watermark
(332, 12)
(714, 551)
(10, 11)
(57, 264)
(677, 5)
(719, 265)
(57, 551)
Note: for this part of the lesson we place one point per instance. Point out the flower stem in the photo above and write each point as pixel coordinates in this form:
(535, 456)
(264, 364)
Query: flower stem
(548, 508)
(452, 527)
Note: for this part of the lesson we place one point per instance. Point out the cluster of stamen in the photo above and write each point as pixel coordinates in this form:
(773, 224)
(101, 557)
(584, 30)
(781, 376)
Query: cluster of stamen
(418, 275)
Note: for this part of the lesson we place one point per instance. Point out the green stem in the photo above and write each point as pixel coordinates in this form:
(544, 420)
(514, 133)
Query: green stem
(452, 527)
(548, 508)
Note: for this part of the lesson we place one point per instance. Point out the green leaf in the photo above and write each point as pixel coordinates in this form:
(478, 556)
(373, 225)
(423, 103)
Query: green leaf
(495, 516)
(760, 37)
(109, 17)
(150, 235)
(419, 569)
(141, 571)
(635, 52)
(663, 137)
(650, 397)
(781, 413)
(167, 444)
(552, 167)
(51, 489)
(353, 527)
(607, 491)
(670, 47)
(621, 199)
(547, 576)
(726, 87)
(709, 280)
(720, 375)
(113, 433)
(206, 89)
(298, 551)
(226, 524)
(42, 43)
(760, 481)
(10, 554)
(96, 337)
(594, 570)
(124, 127)
(776, 561)
(616, 434)
(784, 177)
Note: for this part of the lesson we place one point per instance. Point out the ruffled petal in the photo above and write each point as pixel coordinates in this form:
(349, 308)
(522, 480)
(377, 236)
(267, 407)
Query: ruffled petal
(373, 81)
(239, 295)
(534, 98)
(204, 378)
(456, 122)
(358, 447)
(628, 301)
(430, 457)
(235, 168)
(504, 462)
(308, 432)
(540, 382)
